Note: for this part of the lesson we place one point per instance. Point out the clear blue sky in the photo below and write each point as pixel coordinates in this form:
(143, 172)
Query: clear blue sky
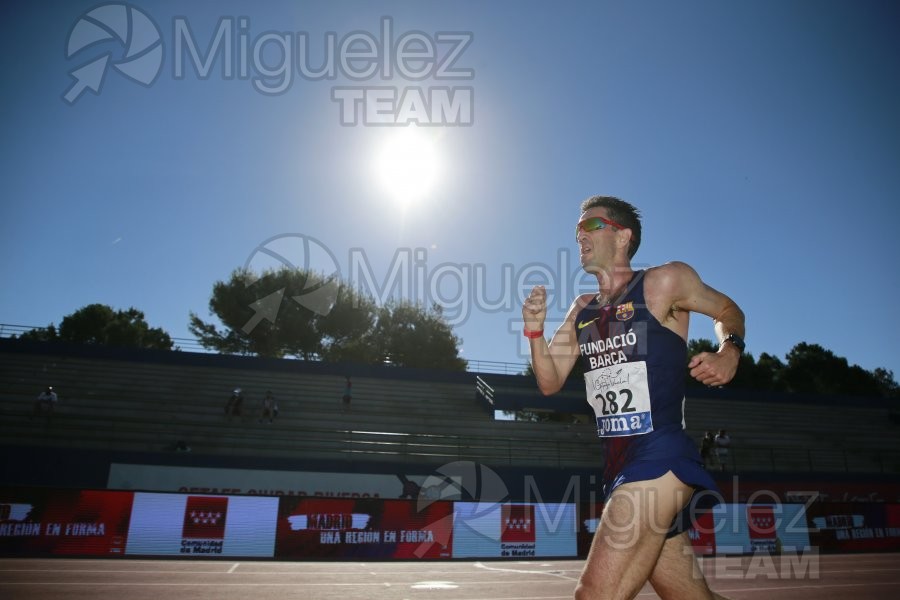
(760, 139)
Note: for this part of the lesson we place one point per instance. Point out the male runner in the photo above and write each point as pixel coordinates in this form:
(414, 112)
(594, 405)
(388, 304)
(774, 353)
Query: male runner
(631, 337)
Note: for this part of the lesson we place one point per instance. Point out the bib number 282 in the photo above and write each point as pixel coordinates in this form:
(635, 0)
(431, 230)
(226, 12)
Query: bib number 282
(613, 403)
(620, 397)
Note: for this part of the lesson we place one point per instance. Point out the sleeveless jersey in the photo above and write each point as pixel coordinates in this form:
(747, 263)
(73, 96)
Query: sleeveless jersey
(635, 380)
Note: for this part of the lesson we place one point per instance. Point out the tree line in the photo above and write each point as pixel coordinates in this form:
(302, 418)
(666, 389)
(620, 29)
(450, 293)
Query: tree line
(284, 313)
(298, 313)
(807, 368)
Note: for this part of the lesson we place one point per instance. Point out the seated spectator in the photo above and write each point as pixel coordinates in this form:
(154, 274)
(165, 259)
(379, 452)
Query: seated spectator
(46, 402)
(181, 446)
(707, 446)
(723, 443)
(235, 403)
(269, 408)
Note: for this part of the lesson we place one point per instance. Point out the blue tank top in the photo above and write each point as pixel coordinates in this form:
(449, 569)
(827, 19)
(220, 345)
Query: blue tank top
(635, 380)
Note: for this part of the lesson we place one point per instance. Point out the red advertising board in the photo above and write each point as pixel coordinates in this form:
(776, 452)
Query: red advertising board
(42, 521)
(363, 528)
(517, 523)
(761, 528)
(204, 517)
(702, 534)
(854, 527)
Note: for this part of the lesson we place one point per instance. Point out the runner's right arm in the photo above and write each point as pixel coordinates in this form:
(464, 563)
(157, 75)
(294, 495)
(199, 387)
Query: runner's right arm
(551, 362)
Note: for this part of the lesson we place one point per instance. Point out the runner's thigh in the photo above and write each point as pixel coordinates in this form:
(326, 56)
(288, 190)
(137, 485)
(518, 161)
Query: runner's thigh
(630, 537)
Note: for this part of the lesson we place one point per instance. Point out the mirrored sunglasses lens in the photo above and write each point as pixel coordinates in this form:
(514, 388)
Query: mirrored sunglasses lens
(591, 224)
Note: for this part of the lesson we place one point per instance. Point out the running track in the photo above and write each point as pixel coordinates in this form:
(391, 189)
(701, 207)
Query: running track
(858, 576)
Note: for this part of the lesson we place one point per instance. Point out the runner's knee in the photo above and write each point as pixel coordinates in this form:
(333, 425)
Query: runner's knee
(594, 590)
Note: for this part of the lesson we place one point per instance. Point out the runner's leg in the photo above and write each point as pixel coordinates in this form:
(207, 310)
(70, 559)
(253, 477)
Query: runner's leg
(630, 537)
(677, 573)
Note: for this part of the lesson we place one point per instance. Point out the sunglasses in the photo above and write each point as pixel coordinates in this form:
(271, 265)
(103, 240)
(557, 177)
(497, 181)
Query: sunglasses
(595, 223)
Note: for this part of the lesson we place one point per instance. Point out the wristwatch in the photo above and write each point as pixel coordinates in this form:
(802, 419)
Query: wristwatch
(737, 340)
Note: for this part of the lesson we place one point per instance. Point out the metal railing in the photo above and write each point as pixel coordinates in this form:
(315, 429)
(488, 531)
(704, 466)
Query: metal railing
(484, 391)
(496, 368)
(193, 345)
(7, 330)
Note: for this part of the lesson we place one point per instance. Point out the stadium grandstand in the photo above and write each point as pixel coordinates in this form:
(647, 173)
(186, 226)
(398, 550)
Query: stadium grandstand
(141, 403)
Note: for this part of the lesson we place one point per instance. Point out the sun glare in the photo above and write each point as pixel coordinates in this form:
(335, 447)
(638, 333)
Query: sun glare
(407, 165)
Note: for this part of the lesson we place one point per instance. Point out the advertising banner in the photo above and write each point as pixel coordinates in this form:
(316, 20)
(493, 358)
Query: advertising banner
(514, 530)
(702, 534)
(854, 527)
(44, 521)
(363, 528)
(770, 528)
(63, 522)
(201, 525)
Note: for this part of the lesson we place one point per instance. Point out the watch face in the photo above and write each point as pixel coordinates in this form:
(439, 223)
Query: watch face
(737, 341)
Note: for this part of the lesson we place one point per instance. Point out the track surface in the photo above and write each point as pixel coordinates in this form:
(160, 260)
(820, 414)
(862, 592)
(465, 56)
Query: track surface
(858, 576)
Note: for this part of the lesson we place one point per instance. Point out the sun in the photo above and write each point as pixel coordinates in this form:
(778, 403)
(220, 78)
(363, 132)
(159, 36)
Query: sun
(406, 165)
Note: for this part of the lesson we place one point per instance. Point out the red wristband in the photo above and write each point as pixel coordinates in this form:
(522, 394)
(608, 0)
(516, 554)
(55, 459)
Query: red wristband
(533, 334)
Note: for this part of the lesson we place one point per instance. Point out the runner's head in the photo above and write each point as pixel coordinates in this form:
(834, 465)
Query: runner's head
(622, 213)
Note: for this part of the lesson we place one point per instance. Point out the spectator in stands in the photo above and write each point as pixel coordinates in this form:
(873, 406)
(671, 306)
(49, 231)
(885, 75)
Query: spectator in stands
(235, 404)
(181, 446)
(707, 446)
(348, 394)
(723, 443)
(46, 403)
(269, 408)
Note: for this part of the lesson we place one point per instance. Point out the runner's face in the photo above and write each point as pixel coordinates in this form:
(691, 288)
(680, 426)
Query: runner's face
(596, 248)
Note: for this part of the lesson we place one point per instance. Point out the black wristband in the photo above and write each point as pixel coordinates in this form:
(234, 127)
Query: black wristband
(737, 340)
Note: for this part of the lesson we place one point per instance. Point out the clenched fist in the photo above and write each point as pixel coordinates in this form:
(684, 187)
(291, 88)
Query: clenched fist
(534, 310)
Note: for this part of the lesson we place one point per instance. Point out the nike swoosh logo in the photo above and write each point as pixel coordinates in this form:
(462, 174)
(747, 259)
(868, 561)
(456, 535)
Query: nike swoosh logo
(584, 324)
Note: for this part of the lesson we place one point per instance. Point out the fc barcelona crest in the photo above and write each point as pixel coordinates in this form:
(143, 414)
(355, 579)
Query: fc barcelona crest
(625, 311)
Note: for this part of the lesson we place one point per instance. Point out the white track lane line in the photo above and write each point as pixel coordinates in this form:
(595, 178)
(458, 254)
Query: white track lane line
(525, 571)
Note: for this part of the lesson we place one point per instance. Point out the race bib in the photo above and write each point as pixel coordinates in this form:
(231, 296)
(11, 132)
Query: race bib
(620, 397)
